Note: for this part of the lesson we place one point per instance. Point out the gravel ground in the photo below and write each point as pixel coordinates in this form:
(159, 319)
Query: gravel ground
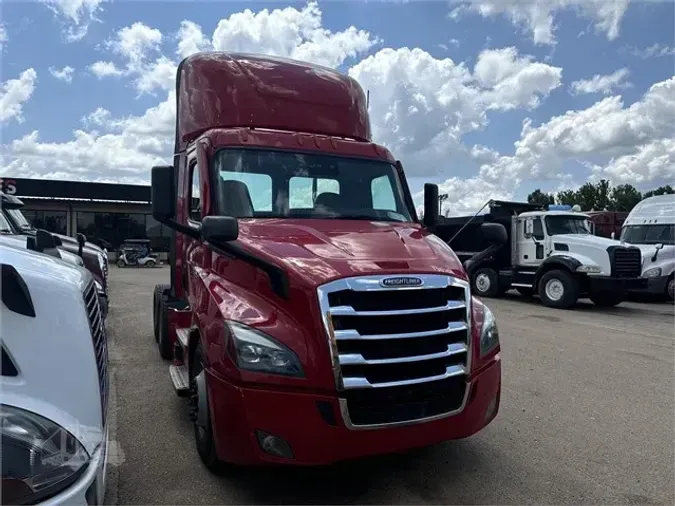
(587, 416)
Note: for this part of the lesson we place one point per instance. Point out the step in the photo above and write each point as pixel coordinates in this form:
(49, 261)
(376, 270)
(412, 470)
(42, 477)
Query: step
(180, 379)
(183, 335)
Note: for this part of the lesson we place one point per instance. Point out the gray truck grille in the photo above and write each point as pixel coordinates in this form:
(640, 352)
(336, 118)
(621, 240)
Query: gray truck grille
(100, 342)
(626, 262)
(400, 346)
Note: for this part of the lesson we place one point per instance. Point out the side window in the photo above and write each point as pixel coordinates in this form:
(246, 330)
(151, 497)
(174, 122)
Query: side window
(259, 188)
(301, 191)
(195, 201)
(538, 230)
(382, 194)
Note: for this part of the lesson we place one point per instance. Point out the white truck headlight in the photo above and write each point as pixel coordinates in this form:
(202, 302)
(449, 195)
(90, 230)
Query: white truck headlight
(489, 332)
(39, 457)
(256, 351)
(99, 287)
(589, 269)
(654, 272)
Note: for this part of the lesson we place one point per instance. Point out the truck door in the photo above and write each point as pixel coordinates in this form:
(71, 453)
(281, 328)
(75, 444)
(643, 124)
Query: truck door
(530, 241)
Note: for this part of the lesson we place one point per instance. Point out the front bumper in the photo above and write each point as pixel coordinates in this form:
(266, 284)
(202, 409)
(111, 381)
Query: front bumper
(296, 417)
(609, 284)
(655, 285)
(90, 488)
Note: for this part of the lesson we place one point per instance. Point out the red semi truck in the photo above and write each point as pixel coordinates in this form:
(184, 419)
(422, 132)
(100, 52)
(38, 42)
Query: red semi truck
(310, 317)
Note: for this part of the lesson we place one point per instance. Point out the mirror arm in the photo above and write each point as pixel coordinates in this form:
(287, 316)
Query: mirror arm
(190, 231)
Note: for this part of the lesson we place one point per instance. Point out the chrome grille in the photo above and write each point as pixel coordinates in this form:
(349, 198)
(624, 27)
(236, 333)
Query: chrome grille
(400, 353)
(626, 262)
(100, 342)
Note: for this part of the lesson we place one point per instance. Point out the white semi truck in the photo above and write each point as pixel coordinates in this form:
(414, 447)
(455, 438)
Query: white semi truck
(651, 227)
(551, 252)
(53, 382)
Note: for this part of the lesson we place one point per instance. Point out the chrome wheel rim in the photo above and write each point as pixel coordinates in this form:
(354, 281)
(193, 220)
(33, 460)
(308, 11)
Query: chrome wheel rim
(554, 289)
(483, 282)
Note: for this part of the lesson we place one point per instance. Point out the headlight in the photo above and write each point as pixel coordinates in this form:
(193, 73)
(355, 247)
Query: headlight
(652, 273)
(99, 287)
(589, 269)
(256, 351)
(39, 457)
(101, 262)
(489, 333)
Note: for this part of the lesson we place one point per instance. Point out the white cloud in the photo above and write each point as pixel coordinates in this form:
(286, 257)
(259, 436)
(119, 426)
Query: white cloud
(536, 17)
(651, 162)
(77, 15)
(606, 129)
(99, 117)
(103, 69)
(191, 39)
(65, 74)
(605, 84)
(654, 51)
(134, 43)
(14, 93)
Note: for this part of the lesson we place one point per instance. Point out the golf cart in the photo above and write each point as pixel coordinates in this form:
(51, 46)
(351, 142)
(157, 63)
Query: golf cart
(137, 253)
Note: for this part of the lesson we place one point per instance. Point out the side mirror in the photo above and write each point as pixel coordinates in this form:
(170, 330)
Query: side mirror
(658, 247)
(57, 240)
(430, 205)
(494, 233)
(43, 242)
(81, 239)
(529, 227)
(219, 229)
(163, 193)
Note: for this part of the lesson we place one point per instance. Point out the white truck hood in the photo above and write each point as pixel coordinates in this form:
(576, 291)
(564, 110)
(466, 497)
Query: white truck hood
(589, 249)
(22, 240)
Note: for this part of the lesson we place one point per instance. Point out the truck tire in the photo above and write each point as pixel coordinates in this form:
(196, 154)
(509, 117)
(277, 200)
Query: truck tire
(524, 291)
(163, 342)
(670, 289)
(558, 289)
(485, 282)
(200, 413)
(606, 299)
(157, 296)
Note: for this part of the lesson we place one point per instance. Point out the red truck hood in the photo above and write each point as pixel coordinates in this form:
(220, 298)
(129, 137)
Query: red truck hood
(318, 251)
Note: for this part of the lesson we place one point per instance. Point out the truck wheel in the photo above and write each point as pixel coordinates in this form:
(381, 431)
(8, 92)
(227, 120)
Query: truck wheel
(670, 289)
(605, 299)
(163, 342)
(558, 289)
(200, 413)
(525, 292)
(157, 296)
(485, 282)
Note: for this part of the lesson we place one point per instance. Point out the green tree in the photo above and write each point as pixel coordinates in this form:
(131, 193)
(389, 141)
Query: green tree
(566, 197)
(540, 197)
(624, 197)
(661, 190)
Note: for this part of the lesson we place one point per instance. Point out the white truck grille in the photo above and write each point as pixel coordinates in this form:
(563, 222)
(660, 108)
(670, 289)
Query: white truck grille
(100, 342)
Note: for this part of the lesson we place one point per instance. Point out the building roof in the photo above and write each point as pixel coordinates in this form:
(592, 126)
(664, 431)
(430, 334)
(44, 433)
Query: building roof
(75, 190)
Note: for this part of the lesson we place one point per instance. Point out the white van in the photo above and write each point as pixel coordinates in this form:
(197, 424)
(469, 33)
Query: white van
(651, 227)
(53, 381)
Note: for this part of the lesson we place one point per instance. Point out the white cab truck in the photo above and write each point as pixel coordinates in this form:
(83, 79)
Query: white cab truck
(54, 381)
(551, 252)
(651, 227)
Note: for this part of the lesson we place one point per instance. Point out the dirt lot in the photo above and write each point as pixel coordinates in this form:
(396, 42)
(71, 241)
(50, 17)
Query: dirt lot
(587, 416)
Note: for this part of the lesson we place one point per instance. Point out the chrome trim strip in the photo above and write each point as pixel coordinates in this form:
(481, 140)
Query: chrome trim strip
(350, 311)
(522, 285)
(342, 335)
(450, 371)
(344, 411)
(358, 359)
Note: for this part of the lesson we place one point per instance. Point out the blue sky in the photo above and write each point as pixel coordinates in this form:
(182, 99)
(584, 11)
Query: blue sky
(540, 89)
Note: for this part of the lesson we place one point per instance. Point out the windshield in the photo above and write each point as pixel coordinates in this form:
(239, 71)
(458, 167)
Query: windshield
(648, 234)
(19, 219)
(4, 225)
(274, 184)
(557, 225)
